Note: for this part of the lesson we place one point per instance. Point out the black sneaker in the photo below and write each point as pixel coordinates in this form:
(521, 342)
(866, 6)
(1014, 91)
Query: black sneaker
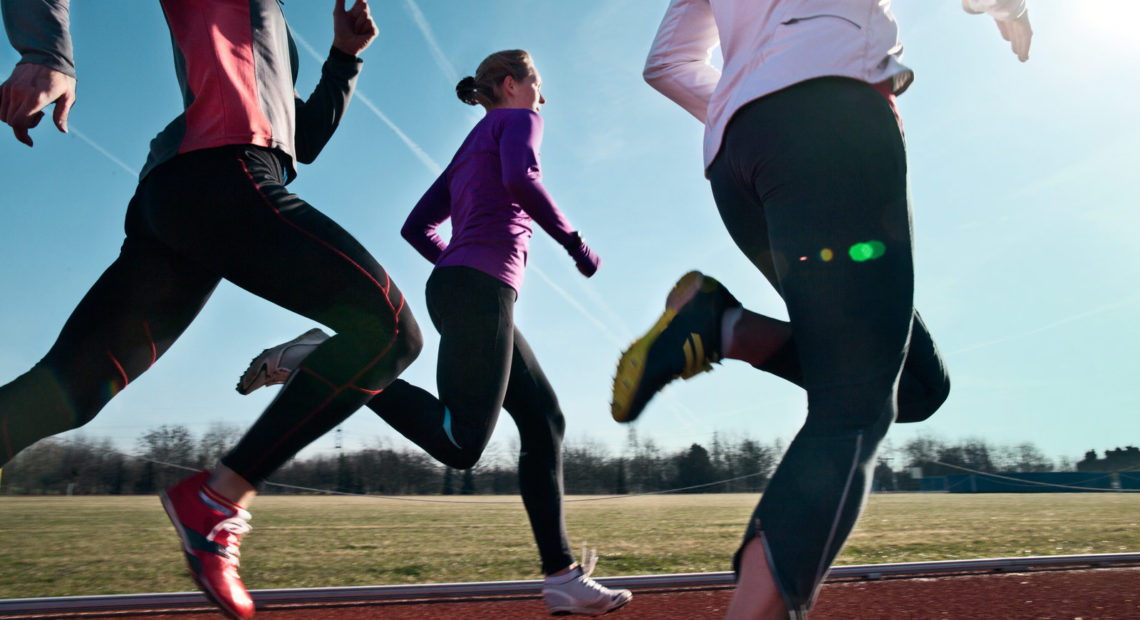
(684, 342)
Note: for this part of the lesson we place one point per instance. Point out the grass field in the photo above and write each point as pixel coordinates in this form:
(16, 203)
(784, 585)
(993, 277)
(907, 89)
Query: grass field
(62, 546)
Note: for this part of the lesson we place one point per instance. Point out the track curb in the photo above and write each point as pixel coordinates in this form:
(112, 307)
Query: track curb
(496, 589)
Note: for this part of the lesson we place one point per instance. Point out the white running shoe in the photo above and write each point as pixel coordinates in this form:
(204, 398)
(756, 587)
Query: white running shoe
(576, 593)
(275, 365)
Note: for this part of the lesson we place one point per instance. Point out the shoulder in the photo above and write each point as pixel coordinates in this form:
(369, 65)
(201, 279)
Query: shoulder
(520, 119)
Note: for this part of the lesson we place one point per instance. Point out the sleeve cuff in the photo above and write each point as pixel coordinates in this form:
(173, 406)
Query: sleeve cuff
(49, 61)
(337, 55)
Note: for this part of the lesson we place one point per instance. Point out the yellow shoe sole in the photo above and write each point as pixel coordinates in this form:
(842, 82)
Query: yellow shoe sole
(631, 366)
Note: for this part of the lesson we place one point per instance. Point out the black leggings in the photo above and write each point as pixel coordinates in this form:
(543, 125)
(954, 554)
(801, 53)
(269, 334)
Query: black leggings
(203, 216)
(811, 183)
(486, 365)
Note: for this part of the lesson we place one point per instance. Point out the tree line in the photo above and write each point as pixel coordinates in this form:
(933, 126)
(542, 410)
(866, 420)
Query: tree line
(733, 464)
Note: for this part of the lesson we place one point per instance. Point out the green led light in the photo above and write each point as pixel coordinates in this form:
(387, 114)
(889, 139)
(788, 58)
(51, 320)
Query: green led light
(866, 250)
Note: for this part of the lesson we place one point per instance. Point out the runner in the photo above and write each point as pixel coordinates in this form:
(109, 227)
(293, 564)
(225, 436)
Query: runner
(492, 191)
(805, 155)
(211, 203)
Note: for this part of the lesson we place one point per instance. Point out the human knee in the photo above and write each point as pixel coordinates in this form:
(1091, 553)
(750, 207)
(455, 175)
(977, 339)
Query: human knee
(463, 458)
(409, 340)
(541, 425)
(847, 410)
(394, 342)
(556, 421)
(917, 407)
(939, 395)
(936, 396)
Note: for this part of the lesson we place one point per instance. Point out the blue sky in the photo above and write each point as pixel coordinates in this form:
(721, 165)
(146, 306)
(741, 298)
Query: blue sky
(1023, 178)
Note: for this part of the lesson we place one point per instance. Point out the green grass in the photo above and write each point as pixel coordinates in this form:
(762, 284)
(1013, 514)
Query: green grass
(62, 546)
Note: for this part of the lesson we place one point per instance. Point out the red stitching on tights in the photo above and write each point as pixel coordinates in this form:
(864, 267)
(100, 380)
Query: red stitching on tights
(385, 288)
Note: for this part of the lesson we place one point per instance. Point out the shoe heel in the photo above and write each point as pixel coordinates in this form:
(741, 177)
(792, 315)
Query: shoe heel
(684, 290)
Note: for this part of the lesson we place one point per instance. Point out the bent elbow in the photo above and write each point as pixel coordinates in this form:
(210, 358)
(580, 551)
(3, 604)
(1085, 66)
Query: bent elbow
(652, 74)
(519, 184)
(658, 73)
(414, 231)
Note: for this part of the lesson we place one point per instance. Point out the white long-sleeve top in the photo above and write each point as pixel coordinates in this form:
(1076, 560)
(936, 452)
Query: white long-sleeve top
(767, 46)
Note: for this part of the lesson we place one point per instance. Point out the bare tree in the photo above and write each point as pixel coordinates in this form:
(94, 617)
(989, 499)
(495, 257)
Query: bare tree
(214, 444)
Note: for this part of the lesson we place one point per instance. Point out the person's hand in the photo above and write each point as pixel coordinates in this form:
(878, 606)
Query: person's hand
(1012, 17)
(1018, 33)
(29, 90)
(584, 258)
(353, 30)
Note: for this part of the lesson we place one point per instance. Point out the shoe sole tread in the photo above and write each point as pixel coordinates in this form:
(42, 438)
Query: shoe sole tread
(632, 362)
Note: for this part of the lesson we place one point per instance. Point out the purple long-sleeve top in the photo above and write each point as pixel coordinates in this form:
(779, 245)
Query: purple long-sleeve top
(492, 191)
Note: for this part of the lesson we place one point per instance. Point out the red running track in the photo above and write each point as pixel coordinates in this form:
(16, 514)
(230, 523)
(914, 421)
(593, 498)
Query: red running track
(1091, 594)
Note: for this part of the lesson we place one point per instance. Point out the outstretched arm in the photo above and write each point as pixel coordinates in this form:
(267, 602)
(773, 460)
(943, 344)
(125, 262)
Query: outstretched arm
(45, 75)
(678, 64)
(320, 115)
(1012, 17)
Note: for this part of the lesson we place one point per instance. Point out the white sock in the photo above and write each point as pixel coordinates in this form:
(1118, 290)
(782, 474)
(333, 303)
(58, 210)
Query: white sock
(728, 327)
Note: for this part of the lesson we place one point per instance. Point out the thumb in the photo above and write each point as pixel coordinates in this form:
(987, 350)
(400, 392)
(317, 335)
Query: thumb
(338, 8)
(1003, 28)
(62, 110)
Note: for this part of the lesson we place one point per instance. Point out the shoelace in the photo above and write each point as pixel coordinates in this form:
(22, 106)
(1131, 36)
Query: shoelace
(231, 529)
(588, 562)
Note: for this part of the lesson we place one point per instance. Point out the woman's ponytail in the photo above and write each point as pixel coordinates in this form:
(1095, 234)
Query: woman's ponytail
(467, 91)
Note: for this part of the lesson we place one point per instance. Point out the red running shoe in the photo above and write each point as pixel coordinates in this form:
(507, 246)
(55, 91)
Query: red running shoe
(211, 528)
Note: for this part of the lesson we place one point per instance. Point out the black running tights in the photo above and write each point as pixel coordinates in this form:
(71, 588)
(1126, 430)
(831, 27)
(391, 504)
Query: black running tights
(203, 216)
(486, 365)
(811, 183)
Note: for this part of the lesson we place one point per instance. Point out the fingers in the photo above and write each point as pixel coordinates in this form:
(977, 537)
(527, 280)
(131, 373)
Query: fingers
(354, 29)
(359, 7)
(22, 135)
(1019, 34)
(28, 112)
(21, 129)
(1021, 37)
(362, 17)
(1003, 28)
(20, 119)
(366, 26)
(28, 91)
(63, 110)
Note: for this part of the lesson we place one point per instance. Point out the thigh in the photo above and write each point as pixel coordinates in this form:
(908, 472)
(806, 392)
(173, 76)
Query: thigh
(743, 215)
(128, 319)
(827, 165)
(229, 210)
(474, 314)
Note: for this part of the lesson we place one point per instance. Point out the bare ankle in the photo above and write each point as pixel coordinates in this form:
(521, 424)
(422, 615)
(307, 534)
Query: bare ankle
(230, 485)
